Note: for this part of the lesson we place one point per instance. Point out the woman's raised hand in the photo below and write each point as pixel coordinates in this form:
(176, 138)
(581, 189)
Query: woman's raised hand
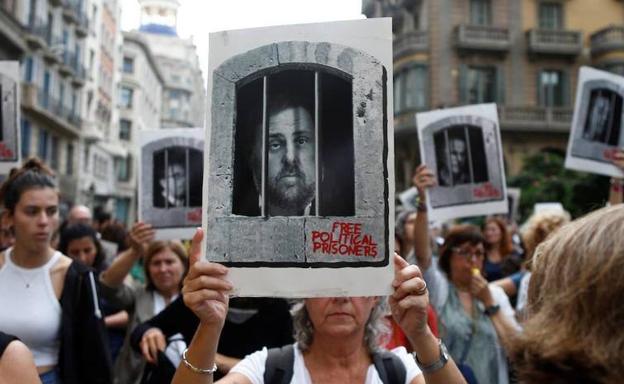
(410, 299)
(205, 289)
(141, 234)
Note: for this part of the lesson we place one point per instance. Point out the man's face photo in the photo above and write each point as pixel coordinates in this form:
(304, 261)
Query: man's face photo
(291, 161)
(174, 184)
(458, 157)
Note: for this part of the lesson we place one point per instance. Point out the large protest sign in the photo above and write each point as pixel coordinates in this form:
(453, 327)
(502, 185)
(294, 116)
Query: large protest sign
(299, 174)
(170, 181)
(462, 146)
(9, 116)
(597, 123)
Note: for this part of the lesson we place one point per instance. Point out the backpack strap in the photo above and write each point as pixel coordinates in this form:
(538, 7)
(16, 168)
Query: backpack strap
(389, 367)
(279, 365)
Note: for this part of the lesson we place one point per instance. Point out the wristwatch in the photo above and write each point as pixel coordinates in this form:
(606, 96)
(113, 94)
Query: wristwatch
(491, 310)
(444, 358)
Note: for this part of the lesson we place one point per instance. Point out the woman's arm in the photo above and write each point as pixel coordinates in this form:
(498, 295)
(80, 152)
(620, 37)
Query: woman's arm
(117, 320)
(409, 304)
(17, 365)
(205, 292)
(616, 190)
(140, 235)
(505, 325)
(423, 179)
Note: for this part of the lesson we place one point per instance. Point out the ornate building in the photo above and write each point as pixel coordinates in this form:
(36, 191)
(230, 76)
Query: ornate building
(523, 55)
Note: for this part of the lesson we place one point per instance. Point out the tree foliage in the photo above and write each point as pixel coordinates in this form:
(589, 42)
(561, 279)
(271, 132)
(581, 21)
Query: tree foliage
(544, 179)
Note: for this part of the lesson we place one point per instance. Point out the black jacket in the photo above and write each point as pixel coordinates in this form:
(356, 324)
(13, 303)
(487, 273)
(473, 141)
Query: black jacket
(84, 357)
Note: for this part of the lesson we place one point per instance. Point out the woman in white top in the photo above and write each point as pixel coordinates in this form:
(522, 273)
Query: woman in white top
(47, 300)
(338, 346)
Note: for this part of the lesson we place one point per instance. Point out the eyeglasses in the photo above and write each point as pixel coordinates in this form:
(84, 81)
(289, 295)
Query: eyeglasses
(467, 254)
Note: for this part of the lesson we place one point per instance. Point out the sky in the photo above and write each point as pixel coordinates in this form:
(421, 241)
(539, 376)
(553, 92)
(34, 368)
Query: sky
(197, 18)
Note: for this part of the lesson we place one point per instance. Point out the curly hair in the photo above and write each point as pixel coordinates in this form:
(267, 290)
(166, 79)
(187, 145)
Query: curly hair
(376, 328)
(575, 304)
(537, 229)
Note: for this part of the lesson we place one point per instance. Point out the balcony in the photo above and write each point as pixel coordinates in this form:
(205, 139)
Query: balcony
(56, 3)
(36, 33)
(66, 67)
(607, 40)
(82, 25)
(555, 42)
(49, 110)
(80, 75)
(53, 52)
(410, 42)
(69, 11)
(482, 38)
(536, 119)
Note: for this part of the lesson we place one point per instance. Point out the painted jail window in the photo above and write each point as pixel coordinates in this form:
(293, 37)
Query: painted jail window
(175, 183)
(293, 151)
(604, 119)
(460, 155)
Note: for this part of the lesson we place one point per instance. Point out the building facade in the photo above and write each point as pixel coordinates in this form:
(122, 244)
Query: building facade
(140, 100)
(53, 78)
(523, 55)
(183, 94)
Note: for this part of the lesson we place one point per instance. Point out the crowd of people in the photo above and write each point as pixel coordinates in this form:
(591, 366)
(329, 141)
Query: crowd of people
(84, 301)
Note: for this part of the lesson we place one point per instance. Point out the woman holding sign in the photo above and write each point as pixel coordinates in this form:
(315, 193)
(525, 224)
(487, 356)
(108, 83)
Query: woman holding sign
(336, 337)
(476, 318)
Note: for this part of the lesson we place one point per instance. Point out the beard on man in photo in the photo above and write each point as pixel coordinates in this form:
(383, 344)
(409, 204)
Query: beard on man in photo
(290, 145)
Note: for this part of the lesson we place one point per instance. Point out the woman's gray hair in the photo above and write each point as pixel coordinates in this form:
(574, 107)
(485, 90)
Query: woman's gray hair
(377, 329)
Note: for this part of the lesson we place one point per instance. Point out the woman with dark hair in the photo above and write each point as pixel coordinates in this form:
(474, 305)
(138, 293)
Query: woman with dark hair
(573, 333)
(476, 319)
(500, 258)
(165, 264)
(80, 242)
(53, 305)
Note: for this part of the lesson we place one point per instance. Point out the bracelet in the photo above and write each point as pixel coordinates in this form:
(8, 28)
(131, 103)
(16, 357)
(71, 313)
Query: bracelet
(437, 365)
(202, 371)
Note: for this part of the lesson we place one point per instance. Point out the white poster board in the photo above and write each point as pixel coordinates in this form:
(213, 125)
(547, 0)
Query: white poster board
(9, 116)
(170, 181)
(597, 123)
(323, 92)
(462, 146)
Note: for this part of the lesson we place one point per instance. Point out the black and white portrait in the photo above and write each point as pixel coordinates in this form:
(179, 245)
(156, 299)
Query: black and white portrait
(290, 143)
(462, 146)
(9, 115)
(597, 122)
(170, 185)
(176, 184)
(298, 149)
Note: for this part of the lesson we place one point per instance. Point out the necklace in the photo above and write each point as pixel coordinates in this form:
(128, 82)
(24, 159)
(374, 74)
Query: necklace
(27, 282)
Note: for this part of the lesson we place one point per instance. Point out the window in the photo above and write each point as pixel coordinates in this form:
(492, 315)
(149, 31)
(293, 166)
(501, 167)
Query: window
(316, 107)
(480, 12)
(481, 84)
(617, 68)
(122, 165)
(54, 153)
(551, 15)
(175, 179)
(69, 165)
(128, 65)
(125, 127)
(122, 208)
(125, 97)
(29, 70)
(42, 148)
(552, 88)
(410, 89)
(26, 132)
(415, 9)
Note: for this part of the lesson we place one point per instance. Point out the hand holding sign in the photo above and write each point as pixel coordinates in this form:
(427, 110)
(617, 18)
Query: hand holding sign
(205, 289)
(410, 299)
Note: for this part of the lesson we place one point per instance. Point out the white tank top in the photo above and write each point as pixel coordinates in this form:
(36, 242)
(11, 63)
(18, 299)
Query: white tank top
(29, 308)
